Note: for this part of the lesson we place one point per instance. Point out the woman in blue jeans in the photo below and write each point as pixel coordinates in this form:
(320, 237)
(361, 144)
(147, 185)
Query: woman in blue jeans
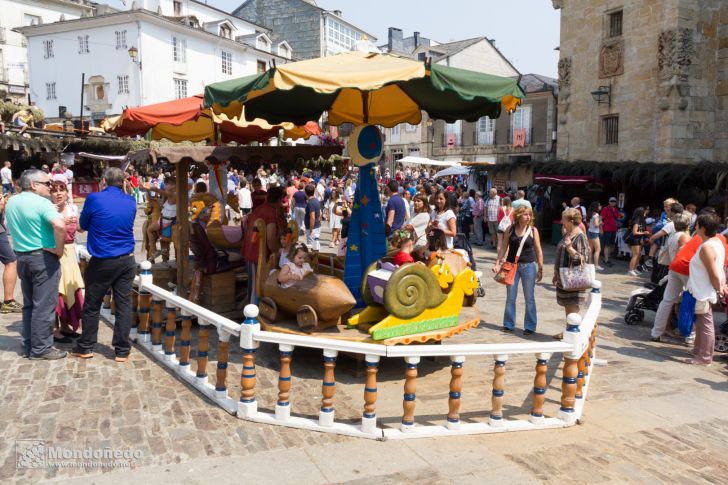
(530, 268)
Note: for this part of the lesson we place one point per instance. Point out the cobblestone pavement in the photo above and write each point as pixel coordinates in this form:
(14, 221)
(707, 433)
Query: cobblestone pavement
(649, 418)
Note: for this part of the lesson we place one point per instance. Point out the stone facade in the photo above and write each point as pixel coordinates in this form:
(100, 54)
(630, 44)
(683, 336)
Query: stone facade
(667, 73)
(296, 21)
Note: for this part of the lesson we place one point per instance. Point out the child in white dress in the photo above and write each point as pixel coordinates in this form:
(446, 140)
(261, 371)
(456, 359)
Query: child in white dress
(297, 268)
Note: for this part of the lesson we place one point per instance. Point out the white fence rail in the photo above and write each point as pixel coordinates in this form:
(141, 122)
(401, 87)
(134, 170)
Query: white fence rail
(158, 336)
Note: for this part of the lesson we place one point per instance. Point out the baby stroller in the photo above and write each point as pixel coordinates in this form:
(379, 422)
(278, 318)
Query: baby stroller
(721, 338)
(641, 299)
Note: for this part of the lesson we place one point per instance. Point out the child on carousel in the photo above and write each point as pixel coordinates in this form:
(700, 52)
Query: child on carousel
(296, 268)
(162, 228)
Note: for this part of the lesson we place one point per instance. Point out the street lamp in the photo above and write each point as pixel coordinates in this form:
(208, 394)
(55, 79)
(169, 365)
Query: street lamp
(603, 94)
(133, 53)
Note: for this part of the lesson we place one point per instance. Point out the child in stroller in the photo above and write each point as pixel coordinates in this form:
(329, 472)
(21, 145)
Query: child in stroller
(641, 299)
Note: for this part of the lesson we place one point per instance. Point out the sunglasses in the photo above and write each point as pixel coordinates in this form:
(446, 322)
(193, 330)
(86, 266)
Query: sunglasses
(47, 184)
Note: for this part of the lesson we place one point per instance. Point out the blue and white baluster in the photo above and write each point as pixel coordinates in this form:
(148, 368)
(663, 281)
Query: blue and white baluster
(369, 416)
(410, 394)
(499, 382)
(248, 406)
(283, 406)
(539, 388)
(328, 388)
(571, 370)
(456, 388)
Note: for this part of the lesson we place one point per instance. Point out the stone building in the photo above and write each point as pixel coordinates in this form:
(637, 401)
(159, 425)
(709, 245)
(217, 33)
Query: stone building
(310, 30)
(643, 80)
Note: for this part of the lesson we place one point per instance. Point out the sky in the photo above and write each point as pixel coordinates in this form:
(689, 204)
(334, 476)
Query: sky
(525, 31)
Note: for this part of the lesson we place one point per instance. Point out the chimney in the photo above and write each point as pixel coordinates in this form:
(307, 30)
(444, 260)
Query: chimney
(396, 42)
(417, 39)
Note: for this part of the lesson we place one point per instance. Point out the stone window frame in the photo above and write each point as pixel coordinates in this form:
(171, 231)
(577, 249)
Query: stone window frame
(604, 130)
(227, 62)
(607, 24)
(262, 66)
(180, 88)
(51, 90)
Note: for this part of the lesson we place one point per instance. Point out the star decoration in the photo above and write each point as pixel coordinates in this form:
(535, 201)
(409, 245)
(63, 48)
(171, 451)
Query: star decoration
(354, 248)
(365, 200)
(356, 206)
(376, 215)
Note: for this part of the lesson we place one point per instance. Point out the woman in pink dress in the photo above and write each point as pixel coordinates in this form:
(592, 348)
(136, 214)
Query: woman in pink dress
(70, 290)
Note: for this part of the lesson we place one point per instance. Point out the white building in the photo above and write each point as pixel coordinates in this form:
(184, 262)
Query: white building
(166, 50)
(13, 52)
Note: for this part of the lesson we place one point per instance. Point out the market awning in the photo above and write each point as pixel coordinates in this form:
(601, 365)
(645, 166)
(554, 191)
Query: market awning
(410, 160)
(562, 179)
(186, 120)
(106, 158)
(454, 170)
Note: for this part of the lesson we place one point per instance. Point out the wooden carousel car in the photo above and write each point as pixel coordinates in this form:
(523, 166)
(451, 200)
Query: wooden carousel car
(317, 301)
(412, 298)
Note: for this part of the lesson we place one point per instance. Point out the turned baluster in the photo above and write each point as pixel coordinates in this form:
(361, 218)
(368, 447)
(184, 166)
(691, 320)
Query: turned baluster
(223, 355)
(539, 388)
(283, 406)
(248, 407)
(203, 347)
(499, 383)
(580, 375)
(410, 394)
(568, 389)
(369, 416)
(145, 302)
(456, 387)
(107, 300)
(157, 325)
(169, 333)
(328, 388)
(185, 342)
(134, 314)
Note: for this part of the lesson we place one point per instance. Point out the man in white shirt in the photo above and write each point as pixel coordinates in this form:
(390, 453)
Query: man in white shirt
(244, 198)
(576, 204)
(491, 214)
(321, 190)
(6, 177)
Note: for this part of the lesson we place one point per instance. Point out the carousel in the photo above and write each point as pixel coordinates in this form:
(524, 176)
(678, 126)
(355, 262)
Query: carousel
(364, 297)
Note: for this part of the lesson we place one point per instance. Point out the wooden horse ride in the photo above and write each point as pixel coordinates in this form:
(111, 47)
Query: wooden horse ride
(153, 212)
(317, 301)
(206, 207)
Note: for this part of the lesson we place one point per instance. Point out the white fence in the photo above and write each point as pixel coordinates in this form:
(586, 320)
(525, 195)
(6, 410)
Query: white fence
(578, 347)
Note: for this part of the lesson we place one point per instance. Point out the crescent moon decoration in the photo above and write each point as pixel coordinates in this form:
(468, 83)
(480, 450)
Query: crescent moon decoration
(365, 145)
(366, 242)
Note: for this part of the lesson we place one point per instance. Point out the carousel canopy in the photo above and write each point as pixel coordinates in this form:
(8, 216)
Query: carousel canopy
(364, 88)
(186, 119)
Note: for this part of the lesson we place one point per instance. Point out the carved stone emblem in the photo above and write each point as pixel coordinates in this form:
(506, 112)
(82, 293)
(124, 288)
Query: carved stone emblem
(611, 59)
(675, 49)
(564, 72)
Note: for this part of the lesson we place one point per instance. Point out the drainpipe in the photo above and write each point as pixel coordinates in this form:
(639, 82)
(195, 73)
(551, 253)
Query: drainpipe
(139, 72)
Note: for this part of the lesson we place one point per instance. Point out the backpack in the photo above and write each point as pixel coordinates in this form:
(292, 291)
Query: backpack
(506, 222)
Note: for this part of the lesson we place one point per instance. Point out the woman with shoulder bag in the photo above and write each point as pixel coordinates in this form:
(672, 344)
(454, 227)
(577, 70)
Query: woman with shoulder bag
(570, 268)
(505, 218)
(521, 247)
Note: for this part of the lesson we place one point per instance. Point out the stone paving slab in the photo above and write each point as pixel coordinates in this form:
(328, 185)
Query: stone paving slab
(649, 418)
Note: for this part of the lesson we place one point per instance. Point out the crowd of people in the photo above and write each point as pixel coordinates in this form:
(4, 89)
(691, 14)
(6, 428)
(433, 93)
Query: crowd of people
(422, 216)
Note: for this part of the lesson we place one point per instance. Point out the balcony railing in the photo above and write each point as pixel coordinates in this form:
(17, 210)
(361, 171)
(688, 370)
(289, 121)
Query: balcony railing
(3, 35)
(529, 135)
(4, 75)
(485, 137)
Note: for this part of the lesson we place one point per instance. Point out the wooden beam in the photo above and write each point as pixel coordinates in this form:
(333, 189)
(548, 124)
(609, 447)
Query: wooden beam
(182, 248)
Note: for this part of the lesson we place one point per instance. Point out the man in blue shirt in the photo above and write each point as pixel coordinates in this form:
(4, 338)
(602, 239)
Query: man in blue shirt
(108, 216)
(395, 210)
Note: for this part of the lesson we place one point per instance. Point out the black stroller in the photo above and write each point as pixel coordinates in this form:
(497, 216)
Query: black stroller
(647, 298)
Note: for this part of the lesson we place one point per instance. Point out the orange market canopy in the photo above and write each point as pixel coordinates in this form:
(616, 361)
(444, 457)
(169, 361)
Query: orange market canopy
(186, 119)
